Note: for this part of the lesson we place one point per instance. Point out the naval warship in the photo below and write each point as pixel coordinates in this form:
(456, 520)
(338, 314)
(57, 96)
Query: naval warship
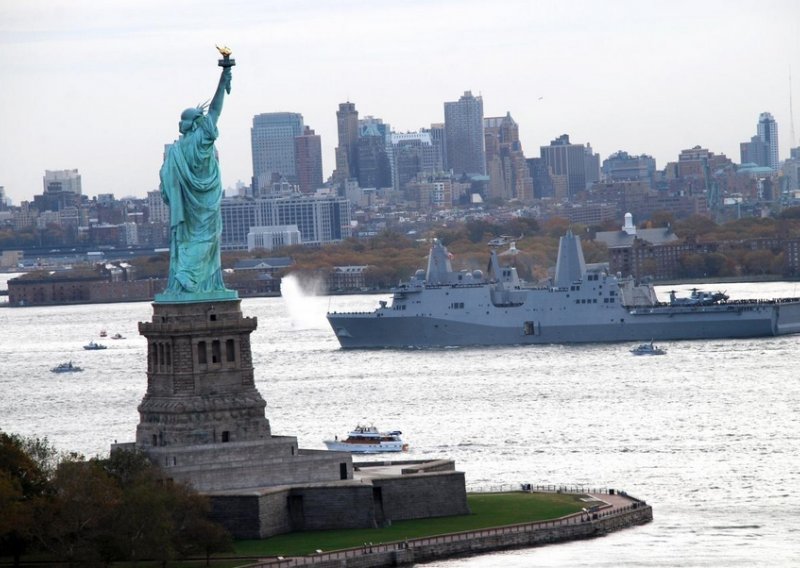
(440, 307)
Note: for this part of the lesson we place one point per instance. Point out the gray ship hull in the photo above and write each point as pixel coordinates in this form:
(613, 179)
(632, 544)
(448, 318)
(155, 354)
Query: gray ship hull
(709, 322)
(441, 307)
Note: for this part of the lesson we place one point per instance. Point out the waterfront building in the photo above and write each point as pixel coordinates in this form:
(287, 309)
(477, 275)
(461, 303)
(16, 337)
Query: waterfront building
(320, 219)
(308, 161)
(272, 139)
(464, 136)
(643, 252)
(269, 238)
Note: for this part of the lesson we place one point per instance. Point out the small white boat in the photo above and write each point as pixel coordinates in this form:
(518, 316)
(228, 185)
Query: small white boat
(368, 440)
(67, 367)
(92, 345)
(648, 349)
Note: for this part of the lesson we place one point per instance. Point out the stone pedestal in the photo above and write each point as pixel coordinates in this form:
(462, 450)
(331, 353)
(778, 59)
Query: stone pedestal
(202, 419)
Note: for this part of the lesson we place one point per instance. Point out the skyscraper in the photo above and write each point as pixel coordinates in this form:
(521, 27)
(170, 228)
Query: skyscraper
(272, 143)
(575, 162)
(509, 176)
(463, 124)
(374, 169)
(308, 160)
(346, 151)
(68, 181)
(768, 133)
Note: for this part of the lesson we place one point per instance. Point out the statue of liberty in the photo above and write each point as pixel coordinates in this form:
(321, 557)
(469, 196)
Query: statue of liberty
(191, 186)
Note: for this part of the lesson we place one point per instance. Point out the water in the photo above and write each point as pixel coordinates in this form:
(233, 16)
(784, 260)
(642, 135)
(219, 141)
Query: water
(707, 434)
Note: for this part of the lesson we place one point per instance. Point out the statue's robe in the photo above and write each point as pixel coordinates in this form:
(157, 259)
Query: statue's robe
(191, 186)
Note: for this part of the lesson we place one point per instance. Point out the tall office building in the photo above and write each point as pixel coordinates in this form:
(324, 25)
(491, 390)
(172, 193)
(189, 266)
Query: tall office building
(463, 125)
(754, 152)
(413, 153)
(62, 190)
(374, 169)
(621, 166)
(347, 150)
(575, 162)
(768, 133)
(272, 143)
(308, 160)
(509, 176)
(158, 211)
(68, 181)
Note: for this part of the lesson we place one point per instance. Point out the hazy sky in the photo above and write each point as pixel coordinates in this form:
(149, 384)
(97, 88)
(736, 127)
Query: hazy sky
(99, 86)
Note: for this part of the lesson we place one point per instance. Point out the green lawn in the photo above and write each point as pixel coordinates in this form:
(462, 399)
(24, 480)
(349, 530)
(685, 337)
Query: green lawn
(488, 510)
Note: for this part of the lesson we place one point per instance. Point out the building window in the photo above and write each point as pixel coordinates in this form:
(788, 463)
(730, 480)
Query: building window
(215, 351)
(201, 353)
(230, 352)
(226, 436)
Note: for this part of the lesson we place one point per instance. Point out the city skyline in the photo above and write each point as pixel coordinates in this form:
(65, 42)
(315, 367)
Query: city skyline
(99, 88)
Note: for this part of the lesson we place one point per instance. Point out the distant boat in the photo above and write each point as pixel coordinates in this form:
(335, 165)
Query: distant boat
(368, 440)
(103, 333)
(648, 349)
(67, 367)
(117, 336)
(92, 346)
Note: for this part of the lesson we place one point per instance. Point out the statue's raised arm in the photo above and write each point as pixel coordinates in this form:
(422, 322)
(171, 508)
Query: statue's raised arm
(224, 86)
(191, 186)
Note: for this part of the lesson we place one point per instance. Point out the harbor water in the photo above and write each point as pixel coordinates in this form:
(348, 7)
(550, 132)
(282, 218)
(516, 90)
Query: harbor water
(708, 434)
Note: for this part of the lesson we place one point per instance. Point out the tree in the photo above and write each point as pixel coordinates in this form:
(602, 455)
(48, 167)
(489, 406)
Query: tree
(23, 484)
(692, 265)
(717, 264)
(77, 525)
(758, 261)
(790, 213)
(661, 219)
(695, 226)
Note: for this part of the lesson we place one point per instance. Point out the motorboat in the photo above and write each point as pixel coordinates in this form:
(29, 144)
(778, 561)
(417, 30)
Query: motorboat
(117, 336)
(103, 333)
(368, 440)
(67, 367)
(648, 349)
(93, 345)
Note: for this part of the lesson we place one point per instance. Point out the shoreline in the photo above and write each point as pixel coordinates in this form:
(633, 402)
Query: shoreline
(621, 511)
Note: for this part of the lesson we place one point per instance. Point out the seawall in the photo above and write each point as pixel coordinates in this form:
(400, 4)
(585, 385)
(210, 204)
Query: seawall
(621, 512)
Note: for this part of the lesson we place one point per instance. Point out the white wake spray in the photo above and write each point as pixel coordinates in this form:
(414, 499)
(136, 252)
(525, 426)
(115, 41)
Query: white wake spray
(304, 302)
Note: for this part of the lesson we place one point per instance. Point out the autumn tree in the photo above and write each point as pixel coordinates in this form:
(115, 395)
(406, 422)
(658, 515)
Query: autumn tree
(23, 484)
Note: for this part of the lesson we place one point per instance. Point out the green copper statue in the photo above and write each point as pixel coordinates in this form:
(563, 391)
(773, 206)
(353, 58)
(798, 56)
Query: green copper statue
(191, 186)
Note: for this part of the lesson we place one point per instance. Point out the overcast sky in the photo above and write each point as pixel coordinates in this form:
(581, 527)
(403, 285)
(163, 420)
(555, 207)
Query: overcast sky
(99, 86)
